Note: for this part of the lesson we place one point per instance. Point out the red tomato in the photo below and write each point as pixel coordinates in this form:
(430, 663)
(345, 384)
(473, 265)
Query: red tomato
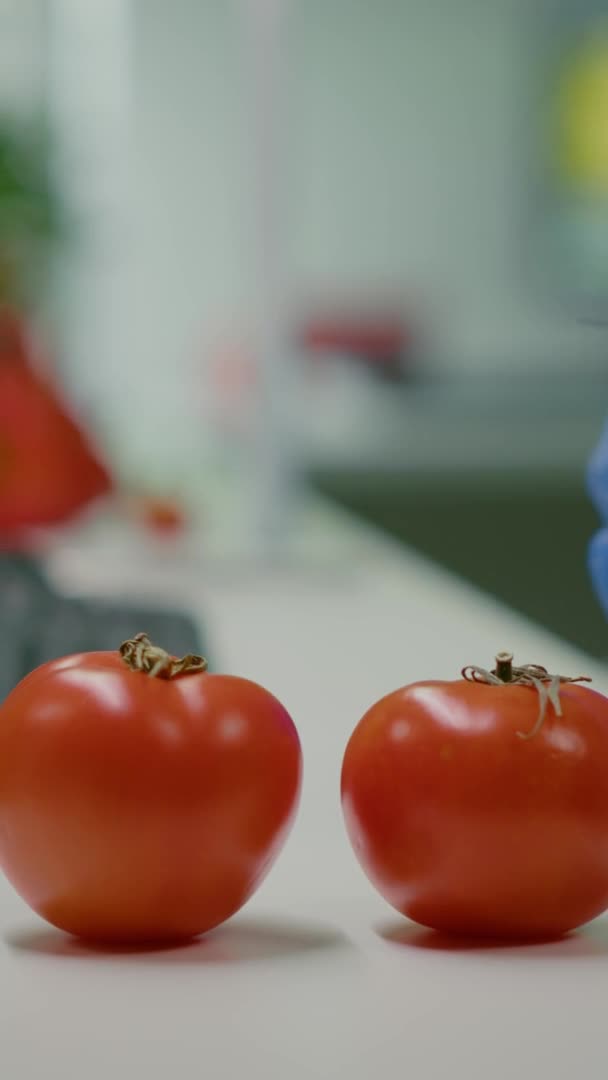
(142, 808)
(467, 827)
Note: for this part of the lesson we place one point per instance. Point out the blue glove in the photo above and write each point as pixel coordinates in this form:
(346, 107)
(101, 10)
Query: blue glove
(597, 486)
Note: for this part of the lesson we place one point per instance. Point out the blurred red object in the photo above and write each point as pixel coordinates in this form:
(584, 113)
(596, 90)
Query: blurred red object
(383, 341)
(48, 468)
(164, 516)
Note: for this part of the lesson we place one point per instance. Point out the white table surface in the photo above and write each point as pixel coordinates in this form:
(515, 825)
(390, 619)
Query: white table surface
(317, 977)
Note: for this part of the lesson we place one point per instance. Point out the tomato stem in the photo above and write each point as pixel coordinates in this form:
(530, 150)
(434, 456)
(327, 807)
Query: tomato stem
(139, 654)
(504, 666)
(547, 686)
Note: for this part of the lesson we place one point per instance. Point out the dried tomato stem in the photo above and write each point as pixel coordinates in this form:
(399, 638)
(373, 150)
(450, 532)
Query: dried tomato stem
(547, 686)
(139, 654)
(504, 666)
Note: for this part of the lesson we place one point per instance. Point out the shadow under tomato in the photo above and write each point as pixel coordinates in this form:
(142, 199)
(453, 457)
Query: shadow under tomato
(239, 942)
(590, 941)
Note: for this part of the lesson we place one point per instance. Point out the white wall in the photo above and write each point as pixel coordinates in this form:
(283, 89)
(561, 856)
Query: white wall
(411, 129)
(415, 125)
(22, 52)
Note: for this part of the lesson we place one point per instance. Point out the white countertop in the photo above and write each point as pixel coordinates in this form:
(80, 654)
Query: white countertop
(317, 977)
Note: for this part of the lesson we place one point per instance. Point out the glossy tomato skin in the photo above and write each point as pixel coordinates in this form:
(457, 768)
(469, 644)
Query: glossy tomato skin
(469, 829)
(135, 808)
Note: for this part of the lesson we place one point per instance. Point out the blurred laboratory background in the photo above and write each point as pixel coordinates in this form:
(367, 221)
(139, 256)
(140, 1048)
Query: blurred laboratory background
(252, 250)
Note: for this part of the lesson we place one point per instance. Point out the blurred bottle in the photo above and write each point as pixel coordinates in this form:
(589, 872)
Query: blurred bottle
(48, 468)
(575, 242)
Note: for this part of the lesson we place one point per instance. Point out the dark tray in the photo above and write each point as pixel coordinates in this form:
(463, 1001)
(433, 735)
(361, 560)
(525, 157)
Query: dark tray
(37, 624)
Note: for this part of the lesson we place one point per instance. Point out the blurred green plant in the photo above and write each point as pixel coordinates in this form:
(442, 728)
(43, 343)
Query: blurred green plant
(30, 216)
